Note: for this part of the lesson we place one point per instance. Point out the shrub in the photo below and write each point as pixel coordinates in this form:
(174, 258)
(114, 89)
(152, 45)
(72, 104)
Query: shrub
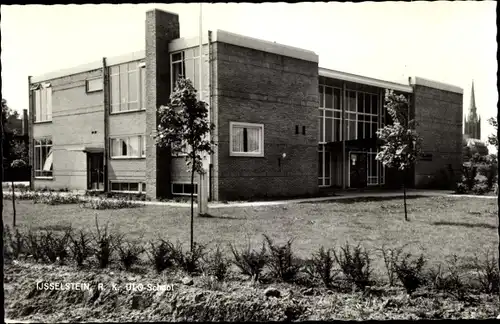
(281, 260)
(34, 246)
(410, 272)
(391, 259)
(216, 264)
(355, 265)
(104, 242)
(469, 173)
(321, 266)
(489, 170)
(56, 199)
(480, 188)
(487, 270)
(102, 203)
(461, 188)
(250, 262)
(14, 243)
(189, 261)
(161, 255)
(81, 247)
(210, 282)
(450, 281)
(129, 253)
(54, 247)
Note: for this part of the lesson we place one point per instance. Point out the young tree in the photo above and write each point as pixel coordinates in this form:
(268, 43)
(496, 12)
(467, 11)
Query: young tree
(401, 146)
(184, 128)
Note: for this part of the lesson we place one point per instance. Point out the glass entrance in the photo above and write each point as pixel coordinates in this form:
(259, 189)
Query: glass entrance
(95, 171)
(357, 169)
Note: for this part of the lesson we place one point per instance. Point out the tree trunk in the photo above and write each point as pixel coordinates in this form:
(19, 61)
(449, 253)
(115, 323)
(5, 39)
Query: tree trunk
(13, 206)
(404, 194)
(192, 208)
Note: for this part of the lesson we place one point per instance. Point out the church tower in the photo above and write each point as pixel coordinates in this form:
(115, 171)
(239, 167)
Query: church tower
(472, 120)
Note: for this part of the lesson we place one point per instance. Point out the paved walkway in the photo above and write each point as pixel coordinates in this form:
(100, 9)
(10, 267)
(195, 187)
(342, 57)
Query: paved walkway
(339, 196)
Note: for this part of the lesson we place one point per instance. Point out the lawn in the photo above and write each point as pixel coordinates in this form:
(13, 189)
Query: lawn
(438, 227)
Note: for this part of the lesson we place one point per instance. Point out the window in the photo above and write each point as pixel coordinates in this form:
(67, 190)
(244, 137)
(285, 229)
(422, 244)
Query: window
(128, 147)
(183, 188)
(246, 139)
(127, 84)
(330, 112)
(43, 102)
(324, 165)
(43, 158)
(125, 186)
(373, 168)
(94, 85)
(186, 64)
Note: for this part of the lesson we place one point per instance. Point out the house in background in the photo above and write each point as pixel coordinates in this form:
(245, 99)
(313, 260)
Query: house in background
(284, 126)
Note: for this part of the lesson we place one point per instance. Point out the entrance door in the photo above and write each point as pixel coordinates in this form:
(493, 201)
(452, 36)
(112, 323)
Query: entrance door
(357, 170)
(95, 171)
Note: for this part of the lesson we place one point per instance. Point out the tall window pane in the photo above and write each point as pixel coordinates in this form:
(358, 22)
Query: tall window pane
(123, 87)
(237, 139)
(115, 92)
(328, 97)
(328, 130)
(253, 139)
(133, 90)
(143, 88)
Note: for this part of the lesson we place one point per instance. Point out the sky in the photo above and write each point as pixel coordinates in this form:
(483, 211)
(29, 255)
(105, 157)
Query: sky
(451, 42)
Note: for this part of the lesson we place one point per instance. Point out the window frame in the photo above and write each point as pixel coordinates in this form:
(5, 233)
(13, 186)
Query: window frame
(140, 187)
(183, 183)
(37, 144)
(101, 88)
(233, 124)
(42, 108)
(141, 88)
(126, 157)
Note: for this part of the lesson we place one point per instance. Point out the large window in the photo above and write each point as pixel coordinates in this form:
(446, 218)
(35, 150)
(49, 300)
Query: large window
(128, 147)
(246, 139)
(360, 119)
(183, 188)
(42, 99)
(373, 168)
(43, 158)
(324, 166)
(127, 84)
(186, 64)
(128, 186)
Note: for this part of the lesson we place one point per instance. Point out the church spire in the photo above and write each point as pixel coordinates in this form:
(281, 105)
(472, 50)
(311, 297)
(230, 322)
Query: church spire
(472, 107)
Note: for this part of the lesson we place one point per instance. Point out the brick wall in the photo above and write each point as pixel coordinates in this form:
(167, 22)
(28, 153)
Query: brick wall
(439, 117)
(161, 28)
(77, 121)
(277, 91)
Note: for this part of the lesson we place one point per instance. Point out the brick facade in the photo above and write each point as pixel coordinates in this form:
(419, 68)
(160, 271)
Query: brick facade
(161, 28)
(279, 92)
(438, 114)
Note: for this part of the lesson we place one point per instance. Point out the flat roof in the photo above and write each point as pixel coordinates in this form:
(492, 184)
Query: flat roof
(345, 76)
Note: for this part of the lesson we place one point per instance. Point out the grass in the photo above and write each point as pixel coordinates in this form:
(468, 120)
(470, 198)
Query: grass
(438, 227)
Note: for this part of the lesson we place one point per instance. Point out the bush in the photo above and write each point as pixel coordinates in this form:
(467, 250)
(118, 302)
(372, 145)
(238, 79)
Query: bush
(461, 188)
(81, 247)
(104, 242)
(487, 270)
(189, 261)
(34, 246)
(450, 281)
(281, 260)
(250, 262)
(410, 272)
(129, 253)
(216, 264)
(480, 188)
(54, 247)
(391, 259)
(56, 199)
(161, 255)
(321, 266)
(469, 173)
(13, 245)
(489, 169)
(355, 265)
(101, 204)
